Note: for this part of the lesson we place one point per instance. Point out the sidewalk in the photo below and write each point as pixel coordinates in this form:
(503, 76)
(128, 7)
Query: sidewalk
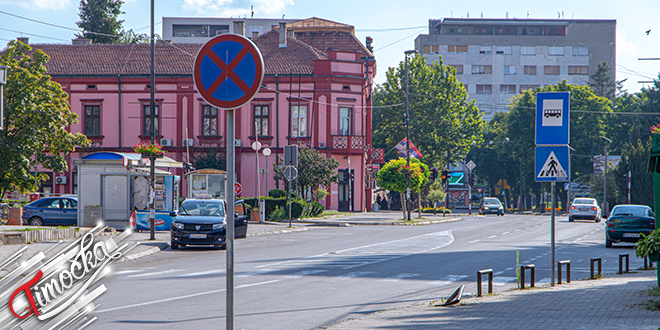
(381, 218)
(612, 302)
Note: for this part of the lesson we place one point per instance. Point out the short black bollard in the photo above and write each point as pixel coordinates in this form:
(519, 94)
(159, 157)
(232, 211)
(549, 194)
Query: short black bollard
(646, 262)
(490, 281)
(600, 267)
(522, 275)
(621, 256)
(568, 270)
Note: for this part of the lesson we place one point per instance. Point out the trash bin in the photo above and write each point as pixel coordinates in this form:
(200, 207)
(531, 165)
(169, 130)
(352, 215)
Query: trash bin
(34, 197)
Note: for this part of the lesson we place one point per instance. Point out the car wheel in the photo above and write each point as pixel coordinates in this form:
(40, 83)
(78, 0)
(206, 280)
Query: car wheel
(570, 219)
(608, 243)
(597, 219)
(174, 246)
(36, 221)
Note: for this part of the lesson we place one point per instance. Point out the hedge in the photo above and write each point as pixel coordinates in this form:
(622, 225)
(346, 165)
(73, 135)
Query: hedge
(299, 208)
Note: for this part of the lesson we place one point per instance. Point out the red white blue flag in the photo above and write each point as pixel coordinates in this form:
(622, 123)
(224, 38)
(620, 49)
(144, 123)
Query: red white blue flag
(401, 149)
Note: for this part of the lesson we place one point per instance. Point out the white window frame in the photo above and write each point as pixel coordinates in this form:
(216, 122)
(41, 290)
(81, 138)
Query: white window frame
(486, 50)
(298, 121)
(509, 69)
(527, 50)
(345, 121)
(504, 50)
(556, 50)
(580, 51)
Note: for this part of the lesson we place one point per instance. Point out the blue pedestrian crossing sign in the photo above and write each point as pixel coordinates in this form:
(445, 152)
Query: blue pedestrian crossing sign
(552, 164)
(552, 118)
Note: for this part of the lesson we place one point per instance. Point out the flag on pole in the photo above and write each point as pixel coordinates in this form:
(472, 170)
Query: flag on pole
(401, 149)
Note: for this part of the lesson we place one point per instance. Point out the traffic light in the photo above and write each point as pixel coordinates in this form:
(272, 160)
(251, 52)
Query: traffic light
(434, 174)
(473, 179)
(445, 175)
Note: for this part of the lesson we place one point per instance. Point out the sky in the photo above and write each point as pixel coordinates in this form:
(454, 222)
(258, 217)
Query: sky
(392, 24)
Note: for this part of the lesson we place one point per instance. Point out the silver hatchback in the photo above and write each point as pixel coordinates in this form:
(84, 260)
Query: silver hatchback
(584, 208)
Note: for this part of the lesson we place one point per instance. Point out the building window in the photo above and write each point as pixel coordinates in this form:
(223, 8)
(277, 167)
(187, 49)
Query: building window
(508, 89)
(261, 120)
(530, 70)
(486, 107)
(209, 120)
(503, 50)
(509, 69)
(578, 69)
(555, 31)
(526, 87)
(481, 30)
(482, 69)
(146, 128)
(298, 120)
(556, 50)
(92, 120)
(431, 49)
(454, 49)
(580, 51)
(484, 89)
(344, 121)
(527, 50)
(551, 69)
(458, 67)
(487, 50)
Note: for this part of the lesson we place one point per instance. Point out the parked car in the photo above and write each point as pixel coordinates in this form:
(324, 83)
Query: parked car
(491, 205)
(584, 208)
(202, 221)
(51, 211)
(627, 222)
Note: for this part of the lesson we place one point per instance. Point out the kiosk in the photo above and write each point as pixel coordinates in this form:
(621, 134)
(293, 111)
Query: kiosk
(117, 183)
(206, 181)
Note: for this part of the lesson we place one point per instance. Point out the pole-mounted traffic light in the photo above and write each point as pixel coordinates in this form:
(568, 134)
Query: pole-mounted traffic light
(473, 179)
(445, 175)
(434, 174)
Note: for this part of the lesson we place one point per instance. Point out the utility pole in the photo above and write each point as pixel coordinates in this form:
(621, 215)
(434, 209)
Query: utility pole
(152, 128)
(408, 204)
(606, 210)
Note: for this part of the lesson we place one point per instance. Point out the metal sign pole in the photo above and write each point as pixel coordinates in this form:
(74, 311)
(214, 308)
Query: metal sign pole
(552, 233)
(230, 218)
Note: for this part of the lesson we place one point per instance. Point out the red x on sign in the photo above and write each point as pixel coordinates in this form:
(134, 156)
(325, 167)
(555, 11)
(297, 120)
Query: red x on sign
(228, 71)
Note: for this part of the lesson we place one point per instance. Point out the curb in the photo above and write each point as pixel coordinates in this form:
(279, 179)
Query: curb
(152, 250)
(277, 232)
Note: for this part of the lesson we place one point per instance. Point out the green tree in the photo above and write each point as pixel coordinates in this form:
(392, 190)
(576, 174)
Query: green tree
(602, 82)
(314, 169)
(210, 157)
(99, 20)
(131, 37)
(393, 176)
(634, 158)
(441, 116)
(37, 119)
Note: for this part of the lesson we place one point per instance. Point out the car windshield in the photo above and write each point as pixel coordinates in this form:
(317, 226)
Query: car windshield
(202, 208)
(584, 201)
(631, 211)
(492, 201)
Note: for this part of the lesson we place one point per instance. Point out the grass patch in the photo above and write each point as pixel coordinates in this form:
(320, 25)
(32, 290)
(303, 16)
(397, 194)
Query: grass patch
(331, 213)
(38, 228)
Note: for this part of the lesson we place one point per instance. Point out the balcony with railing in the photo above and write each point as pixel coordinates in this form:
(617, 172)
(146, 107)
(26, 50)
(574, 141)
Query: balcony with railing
(350, 144)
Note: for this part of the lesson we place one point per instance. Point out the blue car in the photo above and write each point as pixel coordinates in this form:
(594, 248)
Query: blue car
(51, 211)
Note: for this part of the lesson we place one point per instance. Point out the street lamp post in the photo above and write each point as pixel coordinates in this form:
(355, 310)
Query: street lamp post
(3, 82)
(606, 210)
(408, 52)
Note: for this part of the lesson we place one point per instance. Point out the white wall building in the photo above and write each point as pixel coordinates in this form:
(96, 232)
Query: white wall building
(199, 30)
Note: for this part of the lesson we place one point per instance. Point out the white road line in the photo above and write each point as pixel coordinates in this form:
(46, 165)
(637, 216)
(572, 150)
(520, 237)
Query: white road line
(474, 241)
(440, 283)
(350, 275)
(492, 236)
(128, 271)
(156, 273)
(398, 277)
(183, 297)
(499, 273)
(517, 230)
(305, 273)
(208, 272)
(506, 232)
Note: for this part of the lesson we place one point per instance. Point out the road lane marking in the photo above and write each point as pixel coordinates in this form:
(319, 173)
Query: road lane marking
(306, 273)
(440, 283)
(506, 232)
(474, 241)
(183, 297)
(398, 277)
(156, 273)
(492, 236)
(208, 272)
(350, 275)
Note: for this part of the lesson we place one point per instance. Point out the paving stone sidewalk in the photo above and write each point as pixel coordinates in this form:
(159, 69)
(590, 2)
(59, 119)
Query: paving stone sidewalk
(613, 302)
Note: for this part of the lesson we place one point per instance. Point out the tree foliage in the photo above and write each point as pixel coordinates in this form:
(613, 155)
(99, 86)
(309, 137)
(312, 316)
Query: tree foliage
(210, 157)
(441, 116)
(393, 176)
(99, 20)
(314, 169)
(37, 119)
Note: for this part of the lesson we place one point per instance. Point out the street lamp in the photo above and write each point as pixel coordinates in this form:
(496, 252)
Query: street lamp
(606, 210)
(3, 82)
(408, 52)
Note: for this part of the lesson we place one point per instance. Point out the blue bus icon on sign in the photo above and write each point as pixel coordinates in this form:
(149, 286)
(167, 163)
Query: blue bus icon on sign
(552, 112)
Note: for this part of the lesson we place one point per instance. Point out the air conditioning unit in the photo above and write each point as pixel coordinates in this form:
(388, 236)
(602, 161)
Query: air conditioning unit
(166, 142)
(237, 143)
(187, 142)
(60, 180)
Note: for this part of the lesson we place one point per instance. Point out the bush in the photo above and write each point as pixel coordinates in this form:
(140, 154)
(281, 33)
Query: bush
(277, 193)
(648, 245)
(279, 214)
(430, 210)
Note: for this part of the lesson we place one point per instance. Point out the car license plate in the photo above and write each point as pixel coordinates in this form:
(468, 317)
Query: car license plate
(197, 235)
(585, 209)
(631, 235)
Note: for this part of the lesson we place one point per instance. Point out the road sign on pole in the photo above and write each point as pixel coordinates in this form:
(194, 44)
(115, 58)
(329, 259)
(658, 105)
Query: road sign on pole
(290, 173)
(237, 188)
(229, 70)
(552, 164)
(291, 155)
(552, 118)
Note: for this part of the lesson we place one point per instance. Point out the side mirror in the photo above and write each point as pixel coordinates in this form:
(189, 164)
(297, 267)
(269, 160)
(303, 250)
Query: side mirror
(173, 214)
(235, 215)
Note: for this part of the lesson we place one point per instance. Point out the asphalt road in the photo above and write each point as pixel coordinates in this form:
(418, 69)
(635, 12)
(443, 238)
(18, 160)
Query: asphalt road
(313, 279)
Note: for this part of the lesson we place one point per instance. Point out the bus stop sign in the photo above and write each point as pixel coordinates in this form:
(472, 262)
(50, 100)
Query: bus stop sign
(229, 70)
(552, 119)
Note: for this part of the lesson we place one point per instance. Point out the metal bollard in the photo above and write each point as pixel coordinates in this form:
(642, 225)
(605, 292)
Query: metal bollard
(522, 275)
(600, 267)
(490, 281)
(646, 262)
(568, 270)
(621, 256)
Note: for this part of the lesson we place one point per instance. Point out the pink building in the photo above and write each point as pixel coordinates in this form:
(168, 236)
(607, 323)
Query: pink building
(316, 91)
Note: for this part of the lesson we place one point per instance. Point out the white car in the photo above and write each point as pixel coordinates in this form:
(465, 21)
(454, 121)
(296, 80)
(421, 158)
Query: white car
(584, 208)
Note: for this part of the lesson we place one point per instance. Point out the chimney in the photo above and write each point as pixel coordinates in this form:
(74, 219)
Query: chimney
(282, 35)
(24, 40)
(81, 41)
(255, 35)
(239, 27)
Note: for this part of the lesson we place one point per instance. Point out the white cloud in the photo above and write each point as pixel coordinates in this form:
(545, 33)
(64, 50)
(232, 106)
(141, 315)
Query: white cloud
(229, 8)
(623, 44)
(39, 4)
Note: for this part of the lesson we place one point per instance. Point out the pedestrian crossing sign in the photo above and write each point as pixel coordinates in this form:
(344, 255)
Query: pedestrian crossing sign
(552, 164)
